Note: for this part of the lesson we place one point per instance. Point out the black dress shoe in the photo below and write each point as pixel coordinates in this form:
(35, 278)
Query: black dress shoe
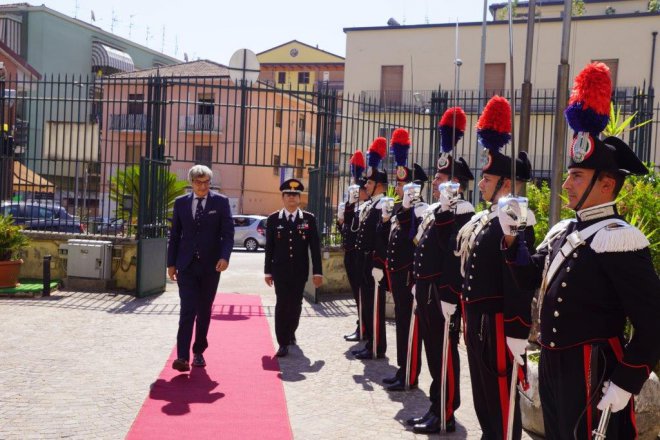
(198, 360)
(353, 337)
(432, 425)
(282, 351)
(358, 351)
(367, 354)
(181, 365)
(400, 385)
(390, 380)
(417, 420)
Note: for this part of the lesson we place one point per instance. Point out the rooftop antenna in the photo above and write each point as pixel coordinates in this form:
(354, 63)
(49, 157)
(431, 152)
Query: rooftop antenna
(75, 13)
(162, 41)
(148, 36)
(130, 26)
(113, 21)
(176, 45)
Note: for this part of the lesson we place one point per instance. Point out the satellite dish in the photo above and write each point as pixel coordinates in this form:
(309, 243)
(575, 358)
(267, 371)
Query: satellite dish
(244, 66)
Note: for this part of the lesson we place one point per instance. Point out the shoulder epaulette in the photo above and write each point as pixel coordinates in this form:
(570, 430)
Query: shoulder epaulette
(308, 213)
(619, 236)
(554, 232)
(464, 207)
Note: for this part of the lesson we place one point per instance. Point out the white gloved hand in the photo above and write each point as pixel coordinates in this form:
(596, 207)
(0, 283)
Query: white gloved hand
(386, 208)
(413, 290)
(614, 397)
(508, 211)
(445, 203)
(353, 193)
(340, 211)
(517, 347)
(448, 309)
(377, 274)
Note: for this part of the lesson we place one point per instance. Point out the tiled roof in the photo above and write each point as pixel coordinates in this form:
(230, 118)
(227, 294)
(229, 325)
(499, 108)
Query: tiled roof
(192, 68)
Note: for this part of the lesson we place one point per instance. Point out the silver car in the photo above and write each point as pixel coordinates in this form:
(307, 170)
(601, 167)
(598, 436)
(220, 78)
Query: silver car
(250, 231)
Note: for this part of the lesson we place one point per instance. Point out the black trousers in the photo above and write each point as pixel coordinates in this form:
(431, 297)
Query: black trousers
(353, 273)
(367, 302)
(288, 306)
(431, 324)
(401, 283)
(570, 384)
(490, 373)
(197, 290)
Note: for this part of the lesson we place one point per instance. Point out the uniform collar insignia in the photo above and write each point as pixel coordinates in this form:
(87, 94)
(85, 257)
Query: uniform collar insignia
(596, 212)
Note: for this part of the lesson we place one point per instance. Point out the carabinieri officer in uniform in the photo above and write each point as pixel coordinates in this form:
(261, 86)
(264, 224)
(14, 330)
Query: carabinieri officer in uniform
(594, 272)
(291, 235)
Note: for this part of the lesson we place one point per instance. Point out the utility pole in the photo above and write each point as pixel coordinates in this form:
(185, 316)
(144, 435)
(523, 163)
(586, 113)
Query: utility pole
(526, 98)
(559, 139)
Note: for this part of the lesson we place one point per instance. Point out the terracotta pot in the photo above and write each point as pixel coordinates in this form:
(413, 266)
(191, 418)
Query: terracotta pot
(9, 271)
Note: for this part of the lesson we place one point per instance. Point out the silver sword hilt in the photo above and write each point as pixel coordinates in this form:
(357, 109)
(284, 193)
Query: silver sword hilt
(599, 433)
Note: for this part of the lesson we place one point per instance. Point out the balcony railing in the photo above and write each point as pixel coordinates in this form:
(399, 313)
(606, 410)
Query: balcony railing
(199, 123)
(128, 122)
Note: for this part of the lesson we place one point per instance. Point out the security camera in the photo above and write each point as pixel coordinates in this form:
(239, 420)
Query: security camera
(392, 22)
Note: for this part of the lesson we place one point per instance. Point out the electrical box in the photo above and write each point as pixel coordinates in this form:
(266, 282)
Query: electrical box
(88, 258)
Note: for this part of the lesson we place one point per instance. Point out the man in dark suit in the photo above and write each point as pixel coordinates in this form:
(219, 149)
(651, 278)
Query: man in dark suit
(291, 234)
(200, 243)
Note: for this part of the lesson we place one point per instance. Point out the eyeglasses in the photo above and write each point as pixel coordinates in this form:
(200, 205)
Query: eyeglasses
(201, 182)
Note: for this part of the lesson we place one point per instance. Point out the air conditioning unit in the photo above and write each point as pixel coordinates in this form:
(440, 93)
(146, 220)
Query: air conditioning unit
(88, 258)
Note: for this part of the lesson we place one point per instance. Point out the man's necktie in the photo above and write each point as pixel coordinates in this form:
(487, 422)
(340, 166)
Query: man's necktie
(291, 219)
(199, 209)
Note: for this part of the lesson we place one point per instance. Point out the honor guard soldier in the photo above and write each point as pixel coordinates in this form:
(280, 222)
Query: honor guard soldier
(400, 251)
(291, 236)
(593, 271)
(496, 311)
(436, 272)
(372, 287)
(349, 222)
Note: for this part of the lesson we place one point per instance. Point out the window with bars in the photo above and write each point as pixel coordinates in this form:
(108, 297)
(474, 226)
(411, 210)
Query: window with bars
(281, 77)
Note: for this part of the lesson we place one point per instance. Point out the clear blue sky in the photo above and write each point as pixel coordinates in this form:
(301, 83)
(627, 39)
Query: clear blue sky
(214, 29)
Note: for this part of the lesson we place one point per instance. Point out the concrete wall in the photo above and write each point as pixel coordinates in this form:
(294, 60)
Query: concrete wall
(123, 270)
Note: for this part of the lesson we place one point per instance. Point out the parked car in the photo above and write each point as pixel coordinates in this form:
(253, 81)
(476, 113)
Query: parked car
(107, 226)
(250, 231)
(42, 216)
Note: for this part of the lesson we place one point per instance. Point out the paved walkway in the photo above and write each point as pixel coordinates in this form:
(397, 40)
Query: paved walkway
(79, 365)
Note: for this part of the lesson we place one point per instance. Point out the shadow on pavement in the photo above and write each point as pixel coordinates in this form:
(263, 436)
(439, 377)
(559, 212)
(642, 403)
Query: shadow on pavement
(296, 363)
(183, 390)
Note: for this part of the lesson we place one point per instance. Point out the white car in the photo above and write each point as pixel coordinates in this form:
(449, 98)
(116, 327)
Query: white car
(250, 232)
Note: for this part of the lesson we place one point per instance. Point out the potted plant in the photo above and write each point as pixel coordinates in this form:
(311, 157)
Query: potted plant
(12, 241)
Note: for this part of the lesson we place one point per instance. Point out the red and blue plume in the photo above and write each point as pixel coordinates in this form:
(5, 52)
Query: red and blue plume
(452, 121)
(357, 164)
(400, 145)
(376, 152)
(494, 125)
(589, 106)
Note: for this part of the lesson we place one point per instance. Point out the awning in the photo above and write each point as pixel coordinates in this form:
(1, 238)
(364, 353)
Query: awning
(106, 56)
(26, 180)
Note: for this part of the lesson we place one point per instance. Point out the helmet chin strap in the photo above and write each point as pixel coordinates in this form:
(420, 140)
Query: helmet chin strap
(498, 187)
(587, 191)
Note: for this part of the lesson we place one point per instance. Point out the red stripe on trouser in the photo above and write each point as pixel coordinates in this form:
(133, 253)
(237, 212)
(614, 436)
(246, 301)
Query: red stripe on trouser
(449, 408)
(414, 353)
(586, 362)
(618, 352)
(501, 370)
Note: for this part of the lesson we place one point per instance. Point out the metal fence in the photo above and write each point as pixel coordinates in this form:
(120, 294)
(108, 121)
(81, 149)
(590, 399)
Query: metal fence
(70, 142)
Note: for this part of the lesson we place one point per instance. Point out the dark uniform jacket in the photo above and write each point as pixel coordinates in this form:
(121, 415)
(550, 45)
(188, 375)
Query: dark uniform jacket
(433, 241)
(348, 229)
(288, 245)
(368, 233)
(401, 245)
(488, 285)
(602, 281)
(210, 240)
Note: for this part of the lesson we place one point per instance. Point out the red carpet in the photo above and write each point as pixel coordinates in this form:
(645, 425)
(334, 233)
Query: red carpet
(237, 396)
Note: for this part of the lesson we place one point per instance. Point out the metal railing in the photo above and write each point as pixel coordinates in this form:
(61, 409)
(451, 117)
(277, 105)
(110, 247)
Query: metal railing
(128, 122)
(199, 123)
